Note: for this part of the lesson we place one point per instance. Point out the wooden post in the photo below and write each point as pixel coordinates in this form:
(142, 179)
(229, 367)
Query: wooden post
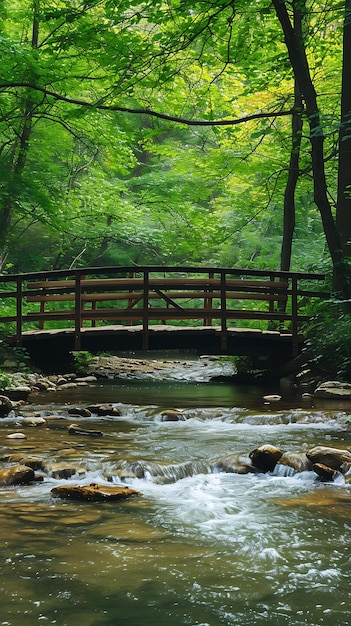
(19, 312)
(42, 311)
(272, 325)
(271, 291)
(224, 333)
(93, 308)
(145, 311)
(130, 300)
(78, 312)
(208, 302)
(294, 313)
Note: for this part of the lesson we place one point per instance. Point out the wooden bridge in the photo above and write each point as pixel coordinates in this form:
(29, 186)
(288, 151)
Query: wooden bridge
(144, 308)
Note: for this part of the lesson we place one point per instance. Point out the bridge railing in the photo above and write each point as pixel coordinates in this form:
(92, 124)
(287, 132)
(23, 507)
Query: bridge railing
(154, 294)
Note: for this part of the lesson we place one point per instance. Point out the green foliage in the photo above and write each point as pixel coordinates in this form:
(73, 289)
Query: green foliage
(6, 380)
(17, 356)
(81, 360)
(242, 364)
(328, 336)
(87, 186)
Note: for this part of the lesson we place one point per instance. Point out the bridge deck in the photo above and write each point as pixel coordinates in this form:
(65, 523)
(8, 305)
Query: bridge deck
(264, 347)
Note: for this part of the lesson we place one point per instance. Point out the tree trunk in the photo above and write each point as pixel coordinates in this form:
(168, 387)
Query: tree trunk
(290, 188)
(293, 174)
(299, 63)
(19, 156)
(343, 209)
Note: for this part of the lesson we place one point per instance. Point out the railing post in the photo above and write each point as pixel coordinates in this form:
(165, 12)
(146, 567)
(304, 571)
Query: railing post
(42, 311)
(208, 302)
(130, 300)
(145, 311)
(271, 292)
(78, 312)
(294, 317)
(224, 332)
(19, 312)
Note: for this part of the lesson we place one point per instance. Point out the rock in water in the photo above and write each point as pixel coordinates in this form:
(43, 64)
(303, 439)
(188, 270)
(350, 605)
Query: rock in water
(265, 457)
(104, 409)
(94, 492)
(171, 415)
(16, 475)
(331, 457)
(272, 398)
(5, 406)
(73, 429)
(234, 464)
(79, 410)
(297, 460)
(334, 389)
(326, 474)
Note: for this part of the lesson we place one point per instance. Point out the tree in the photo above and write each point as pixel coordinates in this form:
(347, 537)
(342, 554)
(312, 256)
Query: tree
(289, 219)
(343, 213)
(299, 63)
(202, 63)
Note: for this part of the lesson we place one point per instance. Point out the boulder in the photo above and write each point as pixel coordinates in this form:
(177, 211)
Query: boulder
(74, 429)
(326, 474)
(67, 386)
(18, 392)
(171, 415)
(86, 379)
(34, 463)
(298, 461)
(5, 406)
(104, 409)
(331, 457)
(79, 410)
(94, 492)
(334, 389)
(265, 457)
(16, 475)
(64, 471)
(234, 464)
(43, 384)
(33, 421)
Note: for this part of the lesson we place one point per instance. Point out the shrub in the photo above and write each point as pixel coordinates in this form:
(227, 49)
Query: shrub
(328, 336)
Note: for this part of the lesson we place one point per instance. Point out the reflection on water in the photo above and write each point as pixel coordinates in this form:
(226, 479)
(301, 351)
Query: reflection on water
(208, 550)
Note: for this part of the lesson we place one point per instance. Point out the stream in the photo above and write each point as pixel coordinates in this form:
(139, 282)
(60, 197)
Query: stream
(209, 549)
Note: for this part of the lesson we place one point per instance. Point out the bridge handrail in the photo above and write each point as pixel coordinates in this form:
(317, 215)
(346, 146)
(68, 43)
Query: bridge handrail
(252, 284)
(159, 269)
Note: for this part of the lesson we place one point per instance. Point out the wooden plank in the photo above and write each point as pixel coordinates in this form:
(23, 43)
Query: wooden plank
(166, 295)
(160, 314)
(161, 282)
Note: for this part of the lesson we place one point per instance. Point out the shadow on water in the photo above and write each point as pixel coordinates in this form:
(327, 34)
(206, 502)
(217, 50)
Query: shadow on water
(171, 393)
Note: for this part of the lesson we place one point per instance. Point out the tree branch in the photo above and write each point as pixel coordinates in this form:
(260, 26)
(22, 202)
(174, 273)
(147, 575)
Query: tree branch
(163, 116)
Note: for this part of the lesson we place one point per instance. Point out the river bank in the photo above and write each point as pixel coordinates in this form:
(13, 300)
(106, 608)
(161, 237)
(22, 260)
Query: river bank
(298, 377)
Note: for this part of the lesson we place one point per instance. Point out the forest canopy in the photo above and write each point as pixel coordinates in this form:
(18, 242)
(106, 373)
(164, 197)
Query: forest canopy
(175, 132)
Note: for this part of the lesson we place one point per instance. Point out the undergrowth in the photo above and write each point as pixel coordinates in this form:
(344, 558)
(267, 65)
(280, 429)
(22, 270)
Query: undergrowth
(328, 337)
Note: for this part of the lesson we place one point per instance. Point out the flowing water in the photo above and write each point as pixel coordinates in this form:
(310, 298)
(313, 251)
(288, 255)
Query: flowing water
(209, 549)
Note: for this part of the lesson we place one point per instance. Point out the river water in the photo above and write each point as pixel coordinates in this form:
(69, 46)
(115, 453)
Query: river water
(207, 550)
